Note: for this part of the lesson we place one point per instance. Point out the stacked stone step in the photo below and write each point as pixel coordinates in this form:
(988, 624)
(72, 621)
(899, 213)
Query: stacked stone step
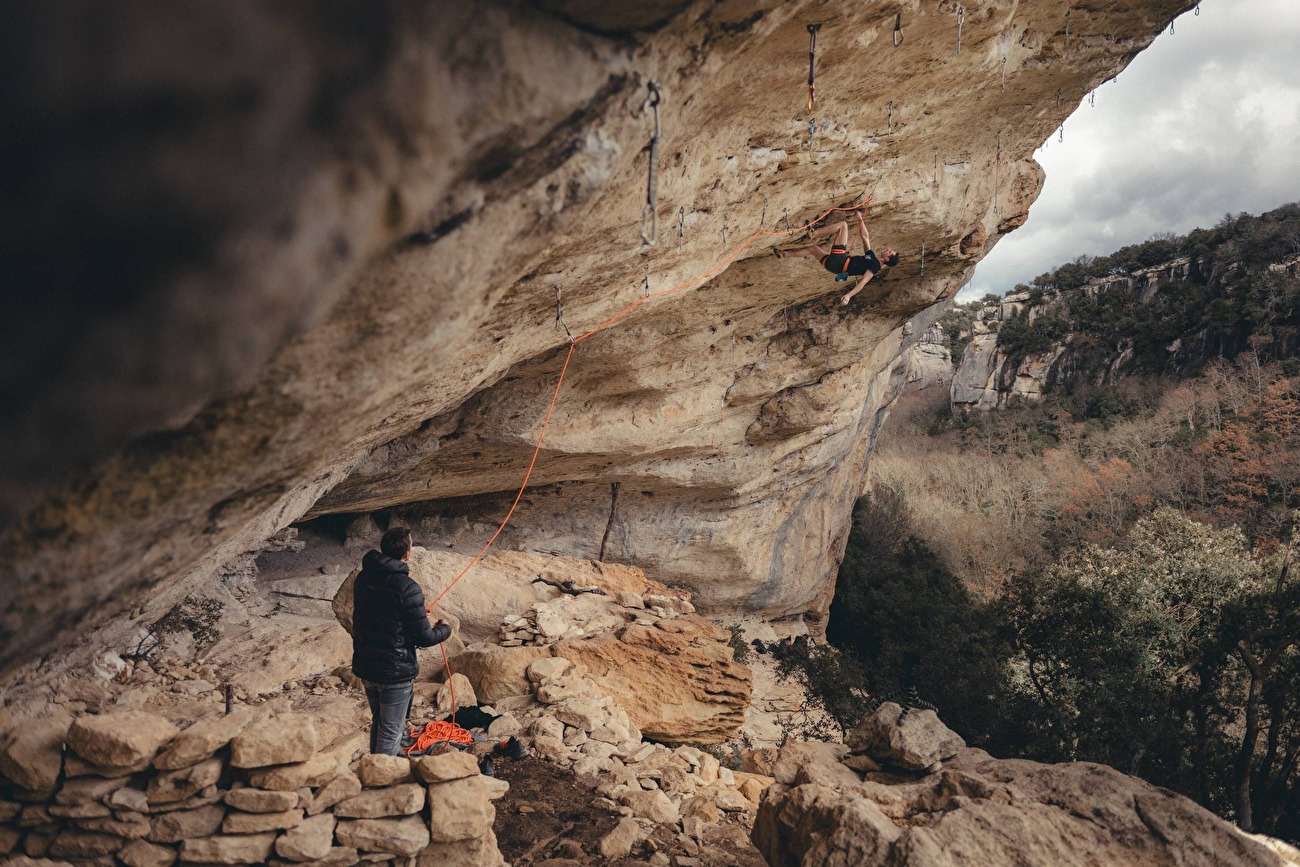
(128, 787)
(575, 726)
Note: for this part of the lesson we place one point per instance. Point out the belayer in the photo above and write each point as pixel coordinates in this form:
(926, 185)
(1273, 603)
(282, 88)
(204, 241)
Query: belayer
(388, 623)
(838, 261)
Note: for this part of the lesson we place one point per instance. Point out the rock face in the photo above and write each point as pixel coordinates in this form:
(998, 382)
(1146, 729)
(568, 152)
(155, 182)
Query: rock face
(329, 336)
(974, 809)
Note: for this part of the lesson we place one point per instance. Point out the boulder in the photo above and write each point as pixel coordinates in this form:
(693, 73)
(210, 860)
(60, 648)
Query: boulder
(396, 836)
(316, 771)
(497, 672)
(677, 679)
(171, 786)
(909, 739)
(464, 694)
(229, 849)
(400, 800)
(653, 805)
(310, 841)
(618, 843)
(276, 740)
(460, 810)
(31, 753)
(261, 800)
(119, 739)
(203, 739)
(375, 771)
(980, 810)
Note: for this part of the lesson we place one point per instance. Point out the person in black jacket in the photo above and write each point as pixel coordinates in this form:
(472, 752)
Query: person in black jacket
(388, 623)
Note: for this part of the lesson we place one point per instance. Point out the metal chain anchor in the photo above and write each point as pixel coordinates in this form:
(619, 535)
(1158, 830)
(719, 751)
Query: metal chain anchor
(650, 213)
(1092, 99)
(559, 313)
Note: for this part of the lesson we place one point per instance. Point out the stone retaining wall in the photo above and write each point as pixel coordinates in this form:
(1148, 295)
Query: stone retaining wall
(129, 787)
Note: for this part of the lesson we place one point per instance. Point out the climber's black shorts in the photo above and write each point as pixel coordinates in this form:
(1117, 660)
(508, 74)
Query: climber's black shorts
(838, 261)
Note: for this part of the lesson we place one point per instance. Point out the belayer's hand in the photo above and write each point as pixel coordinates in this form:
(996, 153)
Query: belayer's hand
(441, 622)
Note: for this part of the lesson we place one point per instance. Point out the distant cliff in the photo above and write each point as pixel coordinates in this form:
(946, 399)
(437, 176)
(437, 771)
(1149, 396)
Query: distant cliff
(1215, 293)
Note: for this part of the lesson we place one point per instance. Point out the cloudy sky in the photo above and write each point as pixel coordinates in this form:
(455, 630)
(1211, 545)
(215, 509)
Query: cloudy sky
(1205, 121)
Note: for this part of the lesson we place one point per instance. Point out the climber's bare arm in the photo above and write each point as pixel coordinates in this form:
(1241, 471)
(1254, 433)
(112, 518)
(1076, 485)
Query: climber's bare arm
(866, 278)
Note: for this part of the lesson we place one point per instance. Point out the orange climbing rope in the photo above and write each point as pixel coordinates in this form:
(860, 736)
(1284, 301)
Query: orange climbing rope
(573, 344)
(437, 732)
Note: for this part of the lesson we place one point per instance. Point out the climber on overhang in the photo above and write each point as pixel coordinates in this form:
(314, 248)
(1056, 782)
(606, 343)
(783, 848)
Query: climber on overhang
(838, 261)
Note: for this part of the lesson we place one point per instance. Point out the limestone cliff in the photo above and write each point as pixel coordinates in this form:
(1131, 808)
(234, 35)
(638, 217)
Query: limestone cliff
(277, 262)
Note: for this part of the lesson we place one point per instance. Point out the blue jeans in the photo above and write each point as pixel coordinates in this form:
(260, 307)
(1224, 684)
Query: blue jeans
(390, 705)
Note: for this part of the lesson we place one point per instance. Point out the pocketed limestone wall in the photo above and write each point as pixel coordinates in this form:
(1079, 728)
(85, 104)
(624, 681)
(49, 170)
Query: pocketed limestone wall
(130, 788)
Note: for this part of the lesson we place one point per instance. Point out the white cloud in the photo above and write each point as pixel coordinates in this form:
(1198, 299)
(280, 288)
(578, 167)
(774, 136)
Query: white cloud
(1204, 122)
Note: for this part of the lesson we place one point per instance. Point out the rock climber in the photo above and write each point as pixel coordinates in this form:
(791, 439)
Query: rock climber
(838, 261)
(388, 623)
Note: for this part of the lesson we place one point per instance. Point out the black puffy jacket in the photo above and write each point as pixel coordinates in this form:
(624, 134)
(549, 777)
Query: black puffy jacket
(389, 621)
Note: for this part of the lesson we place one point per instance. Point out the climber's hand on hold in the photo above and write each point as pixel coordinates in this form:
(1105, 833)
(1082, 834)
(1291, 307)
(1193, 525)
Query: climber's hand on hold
(845, 299)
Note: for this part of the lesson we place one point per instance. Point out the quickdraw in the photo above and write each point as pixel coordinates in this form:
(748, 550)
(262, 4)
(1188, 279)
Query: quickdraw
(650, 213)
(559, 313)
(890, 108)
(812, 62)
(898, 29)
(961, 19)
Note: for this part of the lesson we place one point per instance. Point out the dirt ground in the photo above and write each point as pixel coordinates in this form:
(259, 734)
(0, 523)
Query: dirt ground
(550, 818)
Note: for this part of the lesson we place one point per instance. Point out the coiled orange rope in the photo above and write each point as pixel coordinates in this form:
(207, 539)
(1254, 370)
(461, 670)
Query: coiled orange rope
(437, 732)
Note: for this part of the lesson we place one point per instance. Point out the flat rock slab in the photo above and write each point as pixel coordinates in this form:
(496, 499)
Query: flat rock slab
(261, 800)
(449, 766)
(396, 836)
(376, 771)
(31, 754)
(142, 853)
(186, 824)
(400, 800)
(203, 739)
(252, 823)
(460, 810)
(171, 786)
(120, 739)
(232, 849)
(310, 841)
(276, 740)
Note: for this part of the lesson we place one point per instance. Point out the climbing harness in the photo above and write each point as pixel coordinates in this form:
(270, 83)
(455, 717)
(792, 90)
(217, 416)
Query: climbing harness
(650, 214)
(559, 314)
(890, 107)
(812, 61)
(898, 29)
(961, 19)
